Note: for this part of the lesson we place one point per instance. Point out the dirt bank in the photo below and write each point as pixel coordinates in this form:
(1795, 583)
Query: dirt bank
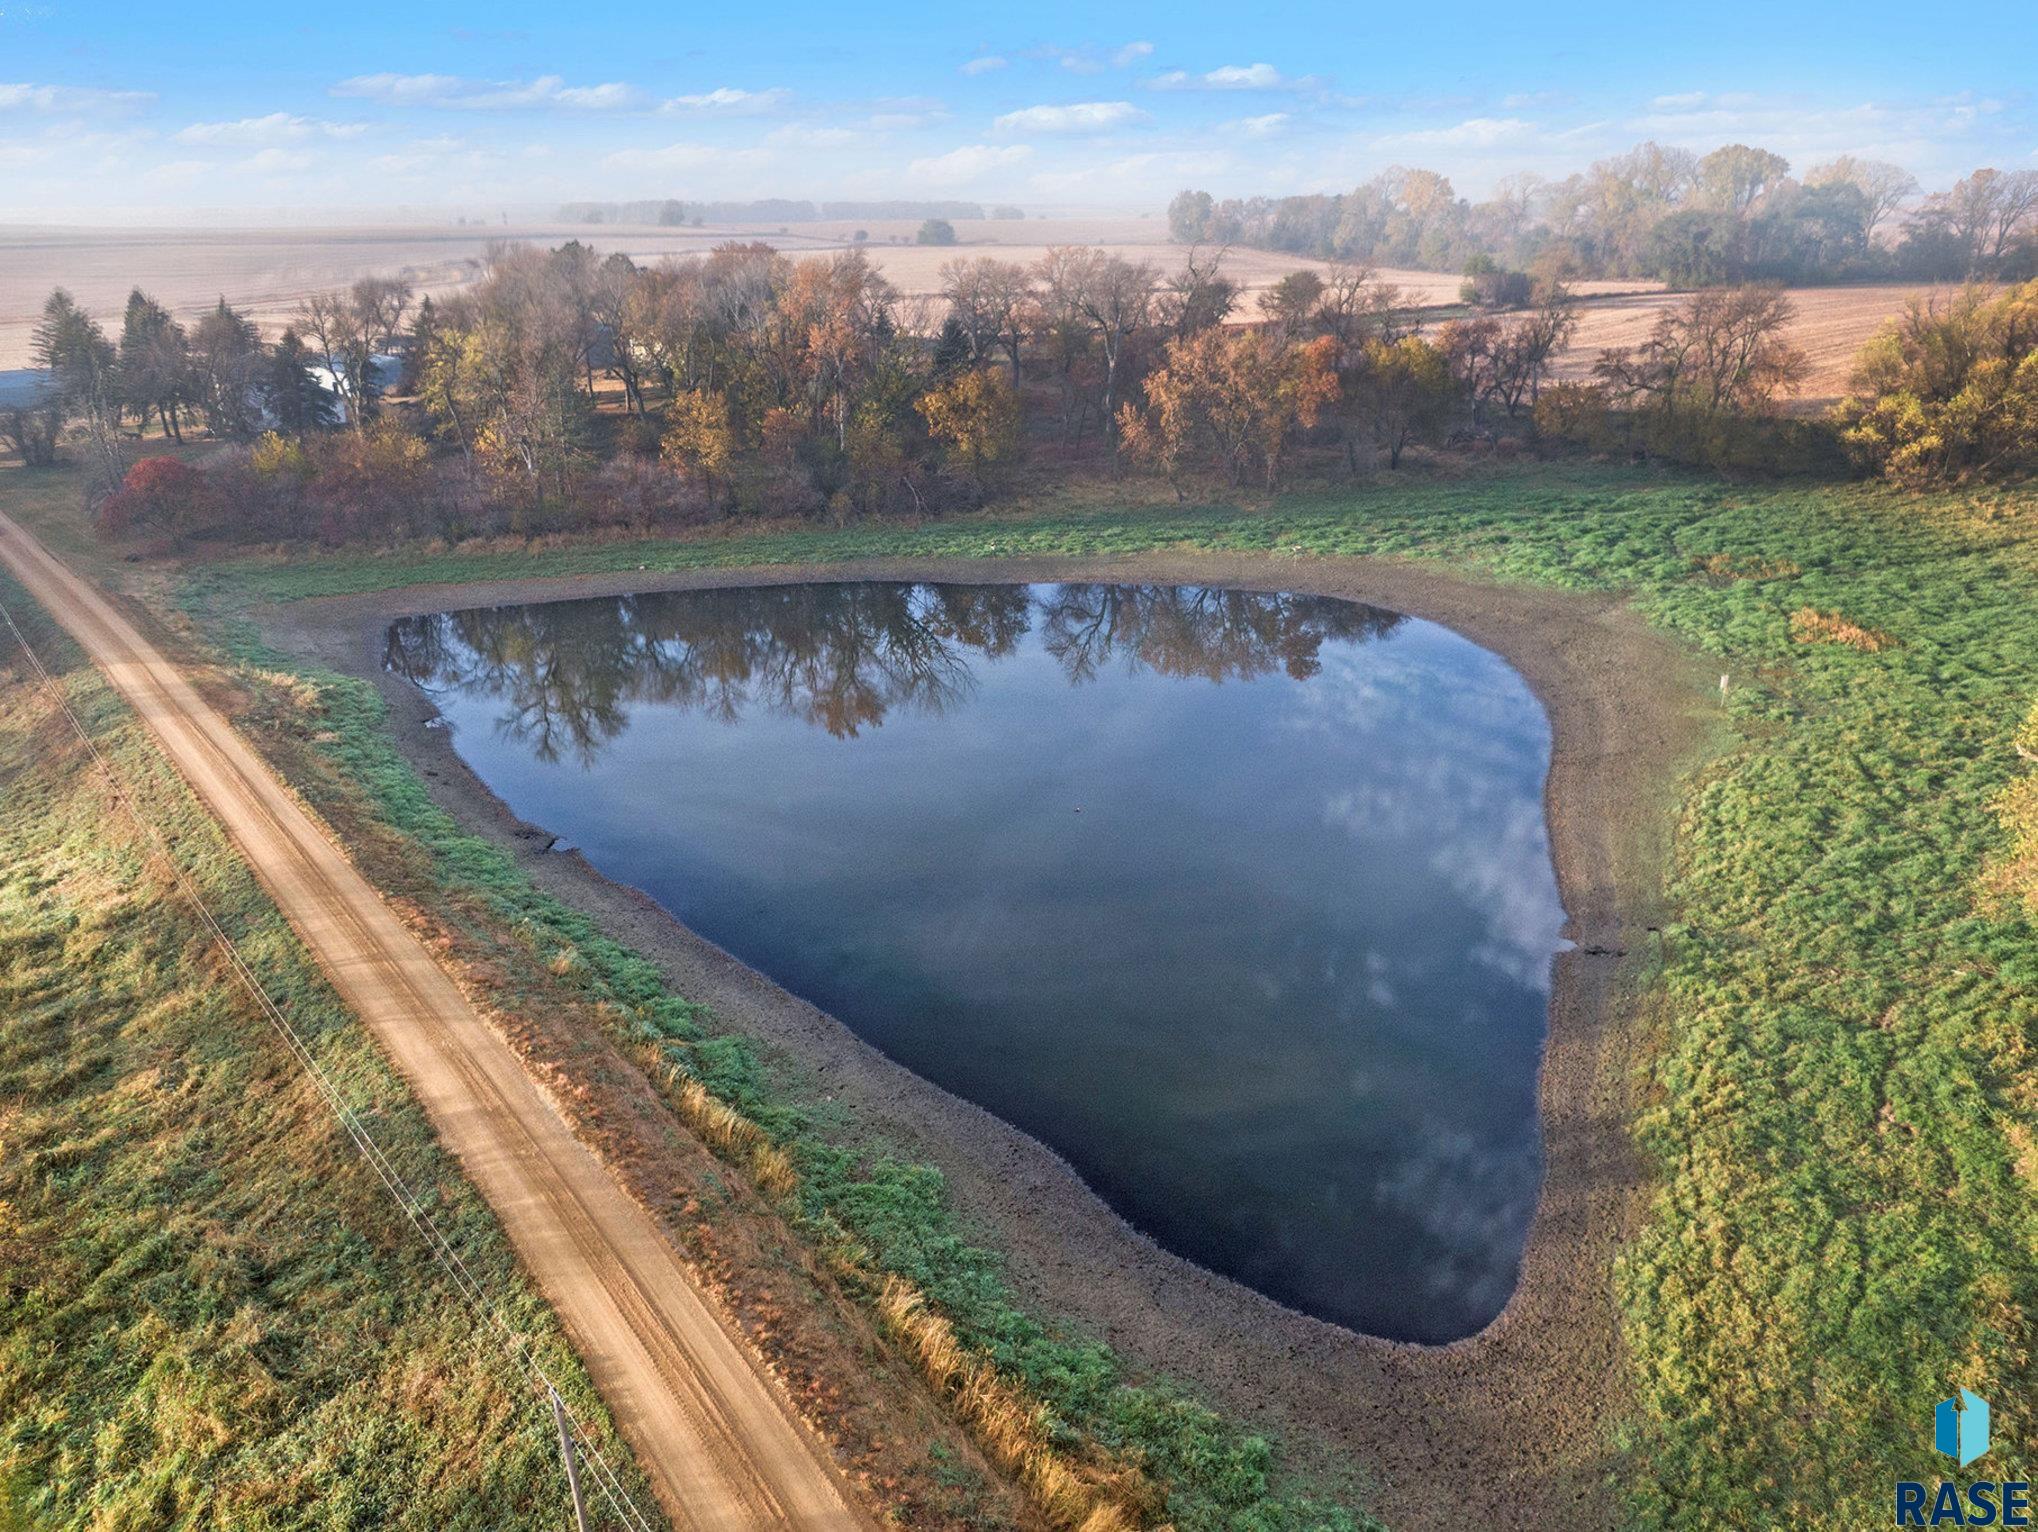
(1511, 1427)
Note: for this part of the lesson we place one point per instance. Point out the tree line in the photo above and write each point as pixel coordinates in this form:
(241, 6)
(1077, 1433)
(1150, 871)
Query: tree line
(1733, 216)
(568, 391)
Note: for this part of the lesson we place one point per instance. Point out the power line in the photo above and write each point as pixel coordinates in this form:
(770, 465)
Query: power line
(442, 1248)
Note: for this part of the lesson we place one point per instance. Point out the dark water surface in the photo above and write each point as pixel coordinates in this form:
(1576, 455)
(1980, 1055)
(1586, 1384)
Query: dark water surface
(1240, 901)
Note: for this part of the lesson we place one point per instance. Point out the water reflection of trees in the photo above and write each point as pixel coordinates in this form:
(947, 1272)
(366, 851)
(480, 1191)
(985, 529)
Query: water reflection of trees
(1185, 630)
(841, 656)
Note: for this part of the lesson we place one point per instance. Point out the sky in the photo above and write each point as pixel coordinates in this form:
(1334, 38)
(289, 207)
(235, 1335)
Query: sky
(116, 112)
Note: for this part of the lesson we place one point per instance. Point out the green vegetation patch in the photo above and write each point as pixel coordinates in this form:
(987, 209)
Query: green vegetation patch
(1841, 1229)
(211, 1311)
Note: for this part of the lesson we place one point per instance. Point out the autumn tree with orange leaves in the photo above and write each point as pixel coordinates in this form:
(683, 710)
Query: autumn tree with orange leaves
(976, 415)
(1233, 398)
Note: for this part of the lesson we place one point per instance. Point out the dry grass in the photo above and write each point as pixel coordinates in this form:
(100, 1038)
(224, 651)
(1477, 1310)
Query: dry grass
(1011, 1428)
(734, 1136)
(1810, 626)
(1005, 1421)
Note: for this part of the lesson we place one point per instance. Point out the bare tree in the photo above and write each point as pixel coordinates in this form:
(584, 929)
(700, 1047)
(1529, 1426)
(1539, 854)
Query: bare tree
(1531, 344)
(349, 331)
(1198, 296)
(1355, 306)
(1721, 351)
(1986, 212)
(1884, 187)
(989, 298)
(1115, 297)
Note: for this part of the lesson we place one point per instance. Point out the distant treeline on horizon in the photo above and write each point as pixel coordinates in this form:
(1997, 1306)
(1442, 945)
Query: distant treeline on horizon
(672, 212)
(1737, 214)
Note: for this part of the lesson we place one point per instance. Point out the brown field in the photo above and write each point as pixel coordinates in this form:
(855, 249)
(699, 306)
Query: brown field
(268, 272)
(1831, 326)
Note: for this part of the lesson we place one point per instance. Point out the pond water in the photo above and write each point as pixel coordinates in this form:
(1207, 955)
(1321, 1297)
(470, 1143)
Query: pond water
(1240, 901)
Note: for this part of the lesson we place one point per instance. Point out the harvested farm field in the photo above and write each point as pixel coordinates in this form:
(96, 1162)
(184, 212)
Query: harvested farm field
(1832, 325)
(267, 273)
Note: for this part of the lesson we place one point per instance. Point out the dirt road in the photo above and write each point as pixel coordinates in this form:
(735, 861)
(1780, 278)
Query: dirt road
(711, 1429)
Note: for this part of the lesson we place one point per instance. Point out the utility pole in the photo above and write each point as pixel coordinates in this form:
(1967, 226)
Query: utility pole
(572, 1466)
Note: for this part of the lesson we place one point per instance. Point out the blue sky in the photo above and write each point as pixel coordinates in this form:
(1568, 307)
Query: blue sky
(119, 110)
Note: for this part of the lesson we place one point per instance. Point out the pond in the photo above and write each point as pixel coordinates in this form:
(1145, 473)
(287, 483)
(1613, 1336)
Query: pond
(1240, 901)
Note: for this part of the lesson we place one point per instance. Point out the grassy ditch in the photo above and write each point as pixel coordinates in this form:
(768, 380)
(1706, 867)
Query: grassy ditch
(213, 1313)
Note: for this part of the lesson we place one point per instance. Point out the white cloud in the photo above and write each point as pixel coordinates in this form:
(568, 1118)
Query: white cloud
(178, 173)
(971, 162)
(75, 100)
(1131, 53)
(1077, 117)
(402, 89)
(276, 162)
(68, 147)
(983, 65)
(453, 92)
(598, 98)
(1473, 133)
(1258, 127)
(1936, 138)
(798, 135)
(728, 101)
(1232, 77)
(275, 128)
(436, 156)
(885, 122)
(1151, 175)
(688, 157)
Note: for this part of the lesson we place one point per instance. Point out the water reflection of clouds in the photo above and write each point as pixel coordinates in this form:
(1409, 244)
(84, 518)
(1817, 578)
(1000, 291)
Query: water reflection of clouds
(1275, 987)
(1475, 803)
(1471, 1196)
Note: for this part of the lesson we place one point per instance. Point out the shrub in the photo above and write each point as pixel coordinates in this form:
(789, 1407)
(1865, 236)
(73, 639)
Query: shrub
(1949, 392)
(1576, 412)
(32, 431)
(159, 494)
(631, 492)
(371, 484)
(1490, 286)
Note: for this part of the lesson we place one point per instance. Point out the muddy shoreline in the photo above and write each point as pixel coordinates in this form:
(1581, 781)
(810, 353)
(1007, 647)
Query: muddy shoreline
(1511, 1427)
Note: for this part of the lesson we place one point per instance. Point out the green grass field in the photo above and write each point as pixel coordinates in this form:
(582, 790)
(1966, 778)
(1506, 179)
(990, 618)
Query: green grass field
(1835, 1062)
(214, 1314)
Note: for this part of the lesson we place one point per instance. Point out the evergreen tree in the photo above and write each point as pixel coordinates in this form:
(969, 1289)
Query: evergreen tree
(227, 367)
(155, 364)
(84, 379)
(298, 403)
(424, 329)
(951, 348)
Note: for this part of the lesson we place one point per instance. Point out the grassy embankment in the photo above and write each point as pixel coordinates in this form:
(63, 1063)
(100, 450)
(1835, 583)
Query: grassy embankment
(213, 1313)
(1836, 1077)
